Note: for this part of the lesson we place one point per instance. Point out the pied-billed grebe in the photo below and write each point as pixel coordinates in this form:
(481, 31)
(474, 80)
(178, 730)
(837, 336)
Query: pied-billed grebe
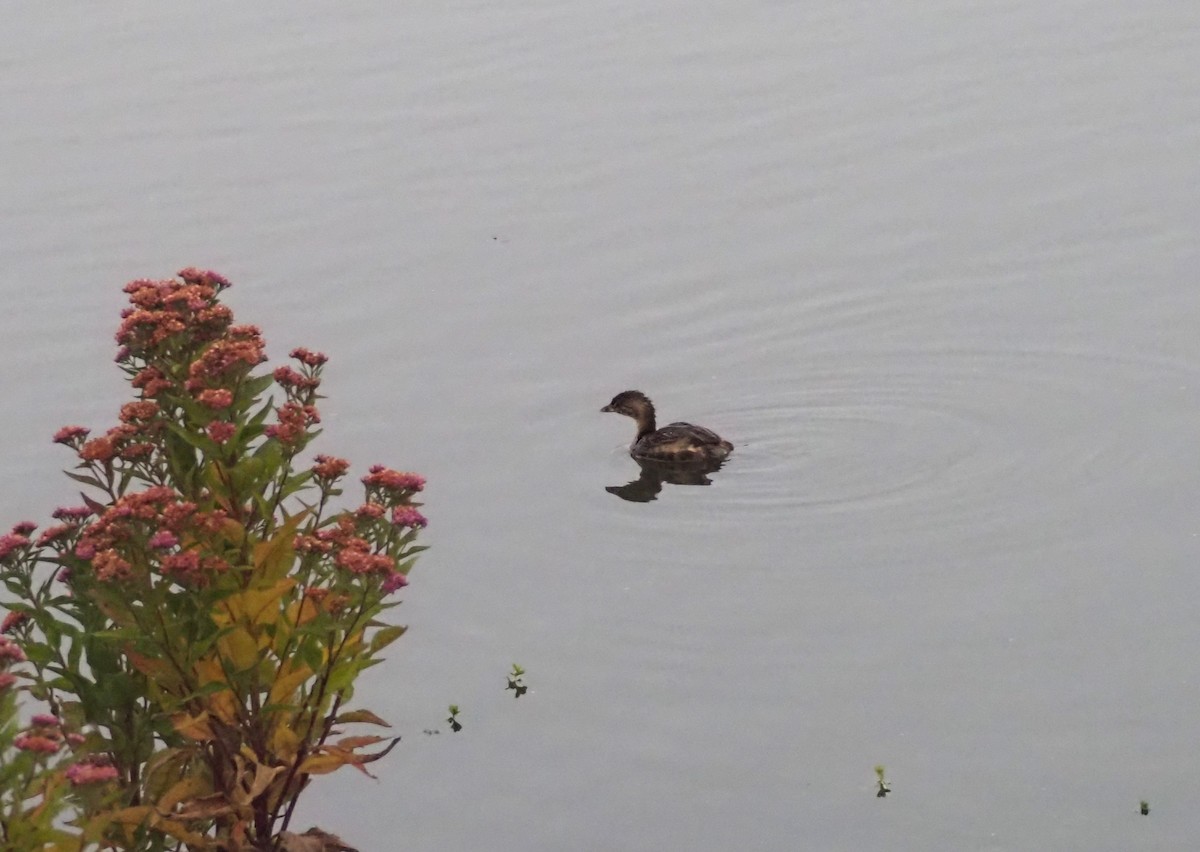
(676, 442)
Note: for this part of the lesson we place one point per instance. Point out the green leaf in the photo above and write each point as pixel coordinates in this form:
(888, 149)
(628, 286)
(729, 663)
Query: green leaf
(85, 479)
(386, 636)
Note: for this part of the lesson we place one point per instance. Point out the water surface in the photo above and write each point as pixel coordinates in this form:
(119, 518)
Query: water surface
(930, 267)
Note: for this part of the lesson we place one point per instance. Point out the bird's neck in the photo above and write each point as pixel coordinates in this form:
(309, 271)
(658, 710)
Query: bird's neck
(645, 423)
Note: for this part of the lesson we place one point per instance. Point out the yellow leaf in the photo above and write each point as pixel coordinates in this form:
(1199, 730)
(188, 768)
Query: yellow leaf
(273, 558)
(306, 611)
(257, 604)
(321, 764)
(185, 790)
(286, 685)
(205, 807)
(221, 703)
(284, 742)
(240, 648)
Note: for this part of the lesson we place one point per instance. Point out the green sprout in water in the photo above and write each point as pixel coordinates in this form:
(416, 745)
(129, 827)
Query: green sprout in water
(515, 683)
(883, 786)
(452, 720)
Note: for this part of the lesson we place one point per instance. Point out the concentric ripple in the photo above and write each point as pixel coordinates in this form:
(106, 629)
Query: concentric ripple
(964, 436)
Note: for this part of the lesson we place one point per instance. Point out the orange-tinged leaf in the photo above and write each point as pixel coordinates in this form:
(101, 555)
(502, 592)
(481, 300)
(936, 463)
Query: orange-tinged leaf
(205, 807)
(193, 727)
(365, 716)
(259, 782)
(208, 670)
(157, 670)
(358, 742)
(234, 532)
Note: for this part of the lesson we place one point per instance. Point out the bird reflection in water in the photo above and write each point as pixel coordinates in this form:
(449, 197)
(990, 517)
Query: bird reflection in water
(654, 473)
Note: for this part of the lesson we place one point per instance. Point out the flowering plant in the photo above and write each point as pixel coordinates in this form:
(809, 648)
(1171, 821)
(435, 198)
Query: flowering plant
(197, 624)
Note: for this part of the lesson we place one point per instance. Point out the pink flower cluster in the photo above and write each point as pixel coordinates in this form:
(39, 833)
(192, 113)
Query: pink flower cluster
(169, 319)
(72, 436)
(162, 309)
(294, 421)
(94, 769)
(10, 652)
(393, 484)
(346, 543)
(12, 620)
(408, 516)
(12, 542)
(73, 518)
(162, 521)
(289, 378)
(308, 359)
(131, 440)
(329, 468)
(44, 735)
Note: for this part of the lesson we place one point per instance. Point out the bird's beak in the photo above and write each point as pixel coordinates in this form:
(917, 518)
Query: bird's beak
(606, 409)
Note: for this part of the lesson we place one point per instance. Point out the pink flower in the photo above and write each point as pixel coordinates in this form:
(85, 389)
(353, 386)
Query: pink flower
(311, 544)
(36, 742)
(76, 739)
(370, 510)
(54, 533)
(110, 566)
(294, 419)
(393, 480)
(184, 567)
(394, 581)
(204, 277)
(151, 381)
(289, 378)
(70, 434)
(407, 516)
(132, 412)
(85, 550)
(98, 449)
(10, 651)
(46, 720)
(163, 540)
(330, 467)
(72, 514)
(7, 680)
(309, 359)
(90, 773)
(24, 528)
(216, 398)
(10, 542)
(13, 620)
(221, 431)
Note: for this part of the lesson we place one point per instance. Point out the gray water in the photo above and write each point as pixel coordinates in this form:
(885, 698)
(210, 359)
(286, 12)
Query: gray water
(930, 266)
